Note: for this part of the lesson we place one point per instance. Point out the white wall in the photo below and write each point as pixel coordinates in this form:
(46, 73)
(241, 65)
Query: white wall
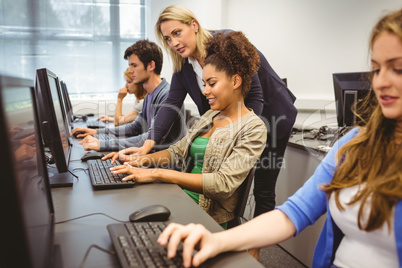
(304, 40)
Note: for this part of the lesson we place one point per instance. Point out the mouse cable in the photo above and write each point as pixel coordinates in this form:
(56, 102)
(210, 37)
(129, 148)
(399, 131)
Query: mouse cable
(75, 160)
(73, 175)
(111, 252)
(82, 169)
(92, 214)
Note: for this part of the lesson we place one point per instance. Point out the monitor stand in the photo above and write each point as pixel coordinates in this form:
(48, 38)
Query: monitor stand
(57, 179)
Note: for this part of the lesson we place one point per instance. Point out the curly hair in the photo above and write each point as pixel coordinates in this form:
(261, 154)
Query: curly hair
(373, 158)
(234, 54)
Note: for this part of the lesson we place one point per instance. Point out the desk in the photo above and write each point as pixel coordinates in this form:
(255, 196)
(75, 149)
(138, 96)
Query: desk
(76, 236)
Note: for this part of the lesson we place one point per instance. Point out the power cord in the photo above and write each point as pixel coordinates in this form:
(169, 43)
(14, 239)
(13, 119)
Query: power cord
(341, 132)
(74, 175)
(83, 169)
(111, 252)
(88, 215)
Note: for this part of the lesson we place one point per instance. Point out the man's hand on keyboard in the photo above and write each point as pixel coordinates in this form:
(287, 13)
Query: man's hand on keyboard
(80, 132)
(90, 143)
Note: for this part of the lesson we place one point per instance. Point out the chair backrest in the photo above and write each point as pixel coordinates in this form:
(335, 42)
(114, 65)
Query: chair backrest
(244, 193)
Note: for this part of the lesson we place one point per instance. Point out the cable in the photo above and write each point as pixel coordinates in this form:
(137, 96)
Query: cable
(342, 131)
(75, 160)
(74, 175)
(92, 214)
(111, 252)
(83, 169)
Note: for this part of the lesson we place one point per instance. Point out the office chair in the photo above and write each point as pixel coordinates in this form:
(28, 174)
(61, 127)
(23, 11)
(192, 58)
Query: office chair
(241, 206)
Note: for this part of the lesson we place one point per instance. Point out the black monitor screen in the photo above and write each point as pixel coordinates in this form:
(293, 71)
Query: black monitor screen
(349, 89)
(52, 119)
(26, 203)
(67, 102)
(58, 109)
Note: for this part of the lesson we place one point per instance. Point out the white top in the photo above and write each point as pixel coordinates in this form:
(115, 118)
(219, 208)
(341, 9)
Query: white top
(198, 72)
(138, 105)
(360, 248)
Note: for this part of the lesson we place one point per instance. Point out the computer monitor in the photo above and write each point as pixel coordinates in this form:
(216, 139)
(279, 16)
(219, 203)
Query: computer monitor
(349, 89)
(27, 224)
(68, 108)
(54, 127)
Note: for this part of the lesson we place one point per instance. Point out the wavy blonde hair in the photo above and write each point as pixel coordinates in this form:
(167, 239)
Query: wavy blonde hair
(373, 158)
(184, 15)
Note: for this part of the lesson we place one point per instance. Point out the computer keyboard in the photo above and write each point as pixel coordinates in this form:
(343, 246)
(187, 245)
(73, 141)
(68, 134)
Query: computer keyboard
(102, 178)
(136, 246)
(95, 124)
(24, 133)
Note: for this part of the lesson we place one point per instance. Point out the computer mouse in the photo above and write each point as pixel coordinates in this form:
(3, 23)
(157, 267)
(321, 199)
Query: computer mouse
(78, 133)
(150, 213)
(91, 156)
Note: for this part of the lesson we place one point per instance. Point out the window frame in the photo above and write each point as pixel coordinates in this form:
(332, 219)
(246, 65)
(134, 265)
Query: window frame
(115, 38)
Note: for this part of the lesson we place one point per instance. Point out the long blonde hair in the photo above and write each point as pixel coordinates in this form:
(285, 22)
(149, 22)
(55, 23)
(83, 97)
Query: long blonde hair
(184, 15)
(373, 158)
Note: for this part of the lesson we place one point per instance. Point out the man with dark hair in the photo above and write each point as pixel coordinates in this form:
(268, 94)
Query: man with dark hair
(145, 61)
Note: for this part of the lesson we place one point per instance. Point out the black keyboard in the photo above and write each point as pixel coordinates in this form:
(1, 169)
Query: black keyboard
(136, 246)
(24, 133)
(102, 178)
(95, 124)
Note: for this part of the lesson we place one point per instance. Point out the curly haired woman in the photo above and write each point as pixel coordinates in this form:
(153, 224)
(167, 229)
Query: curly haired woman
(221, 148)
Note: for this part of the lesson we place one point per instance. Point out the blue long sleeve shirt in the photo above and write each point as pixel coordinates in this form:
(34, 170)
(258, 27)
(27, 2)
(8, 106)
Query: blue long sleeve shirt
(309, 203)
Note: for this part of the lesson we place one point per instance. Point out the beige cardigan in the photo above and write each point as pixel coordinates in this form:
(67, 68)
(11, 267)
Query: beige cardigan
(230, 154)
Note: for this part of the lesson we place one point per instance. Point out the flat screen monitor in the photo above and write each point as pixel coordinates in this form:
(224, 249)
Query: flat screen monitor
(66, 102)
(54, 127)
(27, 225)
(350, 89)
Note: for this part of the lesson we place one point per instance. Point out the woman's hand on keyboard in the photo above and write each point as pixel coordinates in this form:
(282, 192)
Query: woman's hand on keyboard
(137, 174)
(194, 236)
(126, 155)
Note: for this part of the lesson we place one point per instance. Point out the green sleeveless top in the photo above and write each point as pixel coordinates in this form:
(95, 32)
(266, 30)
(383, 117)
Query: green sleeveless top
(197, 152)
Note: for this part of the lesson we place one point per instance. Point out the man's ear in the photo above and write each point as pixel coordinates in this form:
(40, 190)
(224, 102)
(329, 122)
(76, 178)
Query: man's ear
(151, 66)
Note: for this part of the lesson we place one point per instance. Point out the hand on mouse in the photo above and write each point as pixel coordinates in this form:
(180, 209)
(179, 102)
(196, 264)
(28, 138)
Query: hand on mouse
(90, 143)
(83, 132)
